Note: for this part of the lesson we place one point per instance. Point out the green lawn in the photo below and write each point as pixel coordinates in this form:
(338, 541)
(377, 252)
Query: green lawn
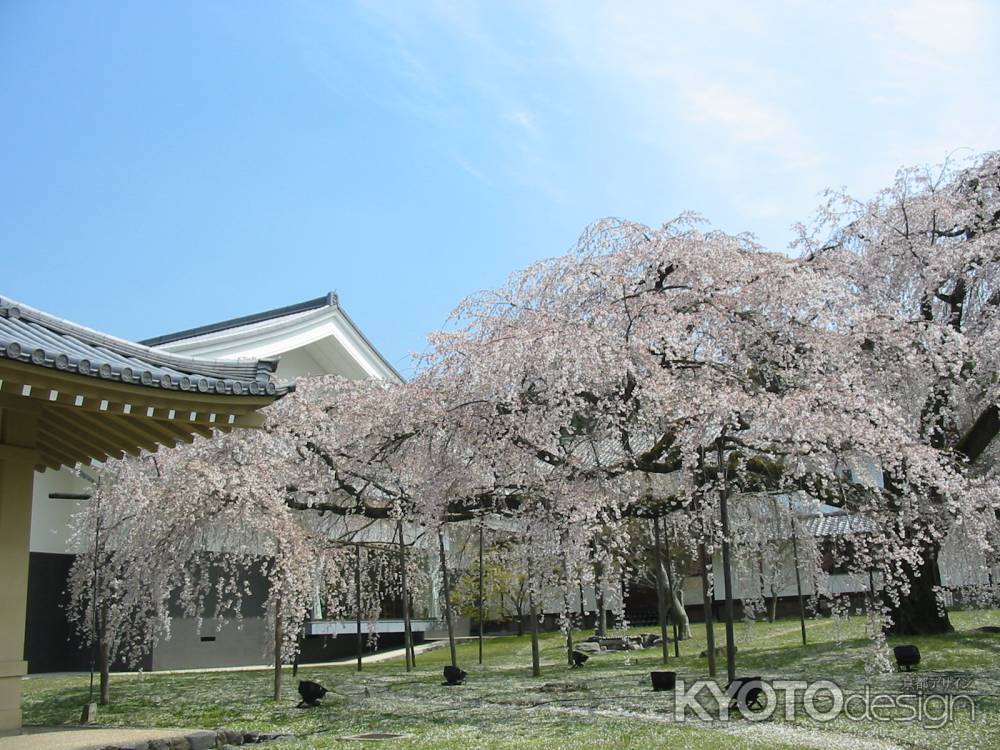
(607, 704)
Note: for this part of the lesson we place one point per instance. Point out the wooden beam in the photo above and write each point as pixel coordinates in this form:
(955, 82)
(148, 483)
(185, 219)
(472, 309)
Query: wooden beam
(64, 448)
(17, 453)
(83, 436)
(53, 455)
(166, 433)
(66, 440)
(135, 429)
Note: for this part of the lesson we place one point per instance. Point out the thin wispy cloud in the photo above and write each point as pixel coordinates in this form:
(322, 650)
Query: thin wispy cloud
(525, 121)
(759, 106)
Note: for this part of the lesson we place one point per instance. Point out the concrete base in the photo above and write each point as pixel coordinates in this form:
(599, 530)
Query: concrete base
(84, 738)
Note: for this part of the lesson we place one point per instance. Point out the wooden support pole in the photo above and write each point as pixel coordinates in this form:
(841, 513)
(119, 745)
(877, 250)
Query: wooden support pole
(482, 608)
(567, 610)
(536, 663)
(405, 594)
(798, 583)
(707, 604)
(601, 626)
(871, 590)
(727, 570)
(447, 599)
(96, 582)
(357, 600)
(279, 637)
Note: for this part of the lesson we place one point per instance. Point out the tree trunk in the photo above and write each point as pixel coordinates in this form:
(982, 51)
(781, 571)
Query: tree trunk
(536, 664)
(279, 636)
(105, 666)
(447, 601)
(104, 657)
(679, 614)
(919, 612)
(772, 605)
(661, 590)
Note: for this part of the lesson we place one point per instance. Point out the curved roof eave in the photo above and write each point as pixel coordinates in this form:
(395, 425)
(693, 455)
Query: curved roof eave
(37, 338)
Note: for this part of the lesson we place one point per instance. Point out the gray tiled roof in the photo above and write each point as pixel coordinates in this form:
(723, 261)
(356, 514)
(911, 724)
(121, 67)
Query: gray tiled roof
(34, 337)
(840, 523)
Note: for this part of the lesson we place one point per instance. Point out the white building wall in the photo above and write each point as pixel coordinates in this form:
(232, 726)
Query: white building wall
(50, 518)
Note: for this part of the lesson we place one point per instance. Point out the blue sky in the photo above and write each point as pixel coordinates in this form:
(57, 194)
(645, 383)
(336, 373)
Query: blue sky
(170, 164)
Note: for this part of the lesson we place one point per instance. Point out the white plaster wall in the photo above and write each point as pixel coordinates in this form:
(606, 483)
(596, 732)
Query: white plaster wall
(298, 363)
(50, 518)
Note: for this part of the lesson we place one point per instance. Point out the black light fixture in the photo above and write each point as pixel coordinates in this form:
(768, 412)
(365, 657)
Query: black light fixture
(663, 680)
(454, 675)
(312, 693)
(907, 657)
(579, 658)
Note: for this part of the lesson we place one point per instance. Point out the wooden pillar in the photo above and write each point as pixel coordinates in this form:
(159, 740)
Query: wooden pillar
(17, 465)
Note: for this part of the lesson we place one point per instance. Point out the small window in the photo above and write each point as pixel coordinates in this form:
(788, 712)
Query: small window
(208, 639)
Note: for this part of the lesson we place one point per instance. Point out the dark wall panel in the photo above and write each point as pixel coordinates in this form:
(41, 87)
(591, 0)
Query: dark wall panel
(50, 644)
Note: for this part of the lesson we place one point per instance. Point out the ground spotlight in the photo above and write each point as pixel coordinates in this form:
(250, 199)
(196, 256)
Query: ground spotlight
(454, 675)
(312, 693)
(663, 680)
(907, 657)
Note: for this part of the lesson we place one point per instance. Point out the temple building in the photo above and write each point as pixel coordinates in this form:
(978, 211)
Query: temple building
(315, 337)
(70, 395)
